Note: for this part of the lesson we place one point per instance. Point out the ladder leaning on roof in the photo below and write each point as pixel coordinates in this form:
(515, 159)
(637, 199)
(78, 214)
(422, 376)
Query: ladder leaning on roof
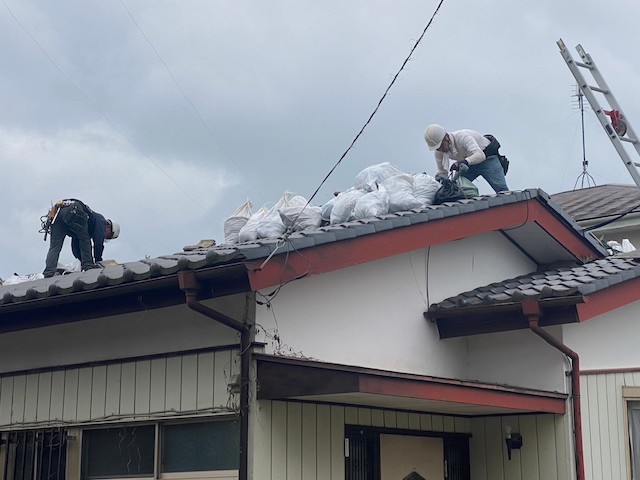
(613, 121)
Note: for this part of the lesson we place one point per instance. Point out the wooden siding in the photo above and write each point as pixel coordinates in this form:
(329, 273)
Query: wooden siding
(604, 423)
(306, 441)
(543, 456)
(146, 388)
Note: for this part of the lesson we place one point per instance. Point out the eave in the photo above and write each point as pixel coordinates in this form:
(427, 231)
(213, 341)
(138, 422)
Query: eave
(282, 378)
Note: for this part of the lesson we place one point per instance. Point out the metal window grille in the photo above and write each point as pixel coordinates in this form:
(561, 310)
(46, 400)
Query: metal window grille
(35, 455)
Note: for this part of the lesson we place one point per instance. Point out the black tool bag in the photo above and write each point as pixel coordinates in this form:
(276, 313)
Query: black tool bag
(449, 191)
(494, 149)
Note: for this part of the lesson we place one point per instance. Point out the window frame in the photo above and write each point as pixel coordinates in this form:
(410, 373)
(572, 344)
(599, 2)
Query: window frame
(157, 449)
(629, 395)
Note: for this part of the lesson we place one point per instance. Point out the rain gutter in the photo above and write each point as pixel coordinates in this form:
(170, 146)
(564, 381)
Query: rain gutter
(190, 286)
(531, 309)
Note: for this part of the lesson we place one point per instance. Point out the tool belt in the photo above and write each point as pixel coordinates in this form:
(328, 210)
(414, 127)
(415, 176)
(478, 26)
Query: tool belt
(73, 212)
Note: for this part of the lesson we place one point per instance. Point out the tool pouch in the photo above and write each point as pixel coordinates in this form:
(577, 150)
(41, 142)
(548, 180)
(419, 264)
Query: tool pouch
(75, 216)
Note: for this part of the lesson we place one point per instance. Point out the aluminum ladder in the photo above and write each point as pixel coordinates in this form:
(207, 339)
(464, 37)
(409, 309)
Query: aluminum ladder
(613, 121)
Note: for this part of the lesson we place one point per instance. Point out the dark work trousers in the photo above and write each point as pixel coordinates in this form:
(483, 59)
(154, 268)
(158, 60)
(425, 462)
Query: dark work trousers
(72, 221)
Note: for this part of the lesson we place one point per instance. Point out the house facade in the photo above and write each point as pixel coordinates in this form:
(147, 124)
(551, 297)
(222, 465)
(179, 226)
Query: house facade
(347, 352)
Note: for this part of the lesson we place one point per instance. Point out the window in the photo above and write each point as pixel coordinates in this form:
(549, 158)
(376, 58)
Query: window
(134, 450)
(118, 452)
(29, 454)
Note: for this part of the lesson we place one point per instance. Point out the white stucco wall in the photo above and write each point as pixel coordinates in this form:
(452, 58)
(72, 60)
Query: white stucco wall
(609, 341)
(518, 358)
(149, 332)
(371, 315)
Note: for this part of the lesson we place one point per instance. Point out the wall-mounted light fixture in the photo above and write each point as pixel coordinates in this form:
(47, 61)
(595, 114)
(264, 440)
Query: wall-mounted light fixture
(513, 441)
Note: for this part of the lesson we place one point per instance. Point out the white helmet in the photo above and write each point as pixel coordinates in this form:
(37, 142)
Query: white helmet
(115, 229)
(433, 135)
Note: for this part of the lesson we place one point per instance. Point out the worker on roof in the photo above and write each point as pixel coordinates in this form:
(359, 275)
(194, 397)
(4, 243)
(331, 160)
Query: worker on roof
(74, 218)
(468, 148)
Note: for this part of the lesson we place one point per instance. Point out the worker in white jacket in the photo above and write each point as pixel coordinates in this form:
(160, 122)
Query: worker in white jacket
(466, 147)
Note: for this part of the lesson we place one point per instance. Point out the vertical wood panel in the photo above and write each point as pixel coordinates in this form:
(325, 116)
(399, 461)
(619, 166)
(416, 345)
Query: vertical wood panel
(127, 388)
(99, 391)
(85, 380)
(622, 438)
(448, 424)
(6, 400)
(57, 395)
(494, 448)
(323, 423)
(262, 436)
(477, 450)
(70, 407)
(31, 398)
(205, 380)
(414, 421)
(437, 423)
(389, 419)
(309, 442)
(563, 462)
(143, 386)
(529, 455)
(594, 430)
(377, 418)
(364, 417)
(189, 390)
(513, 467)
(279, 440)
(174, 383)
(222, 368)
(614, 405)
(112, 393)
(294, 440)
(157, 388)
(337, 442)
(603, 416)
(426, 423)
(402, 420)
(44, 396)
(351, 415)
(547, 448)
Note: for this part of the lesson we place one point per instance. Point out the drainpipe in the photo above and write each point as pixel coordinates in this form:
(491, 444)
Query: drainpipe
(190, 286)
(531, 309)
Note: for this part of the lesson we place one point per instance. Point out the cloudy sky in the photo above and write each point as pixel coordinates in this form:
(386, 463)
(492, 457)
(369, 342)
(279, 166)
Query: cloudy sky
(166, 115)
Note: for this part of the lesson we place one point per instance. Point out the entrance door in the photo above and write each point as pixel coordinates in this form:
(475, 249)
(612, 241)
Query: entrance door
(389, 454)
(403, 456)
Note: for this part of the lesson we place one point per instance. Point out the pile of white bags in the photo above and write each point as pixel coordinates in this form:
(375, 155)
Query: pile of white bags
(236, 221)
(378, 190)
(290, 213)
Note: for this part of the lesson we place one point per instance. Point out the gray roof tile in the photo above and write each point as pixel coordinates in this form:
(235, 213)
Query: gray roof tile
(582, 280)
(203, 254)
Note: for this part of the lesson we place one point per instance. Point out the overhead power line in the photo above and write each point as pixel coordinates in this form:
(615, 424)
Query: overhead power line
(377, 107)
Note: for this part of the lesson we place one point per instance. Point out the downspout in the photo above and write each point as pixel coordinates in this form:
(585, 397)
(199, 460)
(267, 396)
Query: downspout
(531, 309)
(190, 286)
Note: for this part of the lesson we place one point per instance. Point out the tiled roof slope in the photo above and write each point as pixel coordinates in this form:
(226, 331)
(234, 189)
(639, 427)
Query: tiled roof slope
(218, 255)
(599, 201)
(582, 280)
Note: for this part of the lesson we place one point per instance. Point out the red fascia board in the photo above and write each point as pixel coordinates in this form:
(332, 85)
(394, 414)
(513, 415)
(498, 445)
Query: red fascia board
(346, 253)
(525, 402)
(609, 299)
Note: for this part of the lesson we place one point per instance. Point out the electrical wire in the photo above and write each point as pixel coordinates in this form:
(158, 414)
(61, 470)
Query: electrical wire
(104, 115)
(375, 110)
(615, 219)
(188, 100)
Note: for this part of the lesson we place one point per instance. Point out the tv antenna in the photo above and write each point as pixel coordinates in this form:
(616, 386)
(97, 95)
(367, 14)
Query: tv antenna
(585, 177)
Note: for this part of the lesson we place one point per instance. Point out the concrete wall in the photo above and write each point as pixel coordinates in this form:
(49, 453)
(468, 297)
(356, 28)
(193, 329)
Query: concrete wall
(371, 315)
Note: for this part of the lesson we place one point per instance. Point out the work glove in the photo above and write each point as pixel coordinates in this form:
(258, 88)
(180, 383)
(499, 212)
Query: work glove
(456, 166)
(440, 177)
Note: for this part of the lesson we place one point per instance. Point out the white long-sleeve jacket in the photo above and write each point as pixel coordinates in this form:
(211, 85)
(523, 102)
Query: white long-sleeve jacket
(465, 145)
